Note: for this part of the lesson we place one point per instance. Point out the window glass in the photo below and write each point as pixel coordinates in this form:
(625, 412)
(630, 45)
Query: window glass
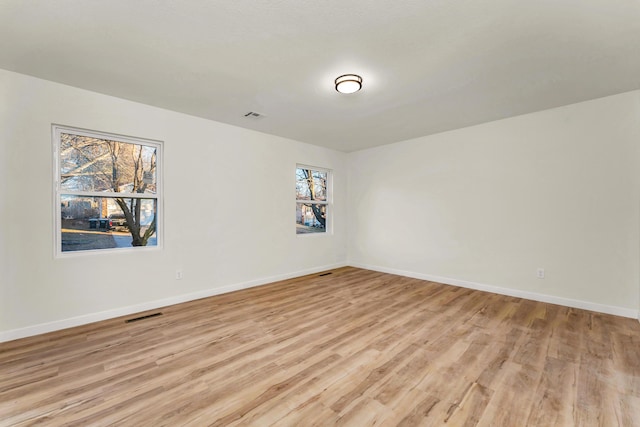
(311, 184)
(311, 218)
(95, 164)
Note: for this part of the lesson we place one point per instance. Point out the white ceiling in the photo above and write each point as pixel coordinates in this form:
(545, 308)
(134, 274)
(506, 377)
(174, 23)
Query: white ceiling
(427, 65)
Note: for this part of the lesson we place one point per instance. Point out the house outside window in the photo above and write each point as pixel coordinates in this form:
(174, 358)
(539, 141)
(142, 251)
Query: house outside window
(107, 191)
(313, 198)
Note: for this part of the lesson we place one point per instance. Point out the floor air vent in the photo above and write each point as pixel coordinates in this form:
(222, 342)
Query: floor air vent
(325, 274)
(143, 317)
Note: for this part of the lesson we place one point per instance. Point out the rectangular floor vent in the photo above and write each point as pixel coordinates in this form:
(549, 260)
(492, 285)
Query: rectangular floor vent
(325, 274)
(143, 317)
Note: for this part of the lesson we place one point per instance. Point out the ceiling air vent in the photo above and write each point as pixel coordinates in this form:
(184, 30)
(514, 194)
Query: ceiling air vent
(254, 115)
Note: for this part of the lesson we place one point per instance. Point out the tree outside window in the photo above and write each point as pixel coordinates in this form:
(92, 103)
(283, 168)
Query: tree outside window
(107, 190)
(312, 200)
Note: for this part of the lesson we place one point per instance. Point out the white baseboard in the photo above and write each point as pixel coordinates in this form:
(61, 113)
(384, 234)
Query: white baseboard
(137, 308)
(151, 305)
(567, 302)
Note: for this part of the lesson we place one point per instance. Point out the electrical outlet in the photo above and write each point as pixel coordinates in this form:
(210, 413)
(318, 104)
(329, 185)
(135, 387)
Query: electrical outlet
(178, 274)
(540, 273)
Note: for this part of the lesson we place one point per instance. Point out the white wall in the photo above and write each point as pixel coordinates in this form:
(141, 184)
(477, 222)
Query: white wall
(229, 211)
(486, 205)
(482, 207)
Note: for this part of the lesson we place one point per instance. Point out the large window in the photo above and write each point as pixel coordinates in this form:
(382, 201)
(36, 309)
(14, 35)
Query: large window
(312, 200)
(108, 192)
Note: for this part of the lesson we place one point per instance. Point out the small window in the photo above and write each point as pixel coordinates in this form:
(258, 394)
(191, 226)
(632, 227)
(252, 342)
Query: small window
(107, 191)
(312, 200)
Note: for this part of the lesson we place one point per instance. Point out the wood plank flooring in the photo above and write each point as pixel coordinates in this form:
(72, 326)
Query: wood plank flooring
(353, 348)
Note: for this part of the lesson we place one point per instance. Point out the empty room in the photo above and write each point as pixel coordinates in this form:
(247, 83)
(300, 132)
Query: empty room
(298, 213)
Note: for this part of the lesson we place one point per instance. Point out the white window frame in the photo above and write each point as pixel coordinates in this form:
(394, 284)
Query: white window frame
(56, 131)
(328, 203)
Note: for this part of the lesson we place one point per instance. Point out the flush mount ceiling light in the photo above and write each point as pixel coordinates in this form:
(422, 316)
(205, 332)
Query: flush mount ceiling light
(348, 83)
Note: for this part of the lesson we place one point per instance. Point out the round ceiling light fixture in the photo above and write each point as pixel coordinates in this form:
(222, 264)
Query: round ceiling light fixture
(348, 83)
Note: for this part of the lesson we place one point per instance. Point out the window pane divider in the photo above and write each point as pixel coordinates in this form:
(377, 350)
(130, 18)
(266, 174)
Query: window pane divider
(110, 194)
(312, 202)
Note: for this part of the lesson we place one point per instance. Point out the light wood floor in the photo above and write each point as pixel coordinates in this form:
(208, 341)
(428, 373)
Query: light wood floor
(355, 347)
